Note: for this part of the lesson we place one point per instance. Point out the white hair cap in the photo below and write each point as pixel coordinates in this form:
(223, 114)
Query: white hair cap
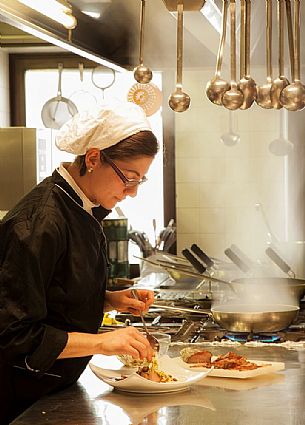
(102, 128)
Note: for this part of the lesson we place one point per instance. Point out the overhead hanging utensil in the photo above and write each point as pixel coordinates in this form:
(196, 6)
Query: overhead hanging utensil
(281, 146)
(233, 98)
(230, 138)
(263, 98)
(103, 78)
(84, 99)
(148, 96)
(217, 86)
(58, 110)
(246, 84)
(142, 73)
(179, 101)
(293, 96)
(281, 81)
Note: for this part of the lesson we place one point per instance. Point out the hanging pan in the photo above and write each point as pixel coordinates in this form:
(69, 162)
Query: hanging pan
(58, 110)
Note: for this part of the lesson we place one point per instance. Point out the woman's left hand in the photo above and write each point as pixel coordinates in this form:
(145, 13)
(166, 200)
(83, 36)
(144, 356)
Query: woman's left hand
(124, 301)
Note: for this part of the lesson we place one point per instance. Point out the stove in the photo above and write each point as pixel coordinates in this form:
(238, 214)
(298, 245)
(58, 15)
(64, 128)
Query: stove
(196, 329)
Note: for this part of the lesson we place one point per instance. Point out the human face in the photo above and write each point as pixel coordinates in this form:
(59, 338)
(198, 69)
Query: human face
(106, 184)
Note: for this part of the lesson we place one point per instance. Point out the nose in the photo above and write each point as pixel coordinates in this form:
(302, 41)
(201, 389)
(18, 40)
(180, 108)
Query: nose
(131, 191)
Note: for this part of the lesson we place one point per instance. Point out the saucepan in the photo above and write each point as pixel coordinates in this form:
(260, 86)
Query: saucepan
(248, 318)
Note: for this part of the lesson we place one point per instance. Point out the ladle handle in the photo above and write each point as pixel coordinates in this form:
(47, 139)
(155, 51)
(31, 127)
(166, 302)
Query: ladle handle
(222, 38)
(281, 24)
(269, 38)
(247, 37)
(290, 37)
(193, 260)
(242, 63)
(279, 262)
(60, 69)
(296, 40)
(233, 42)
(182, 309)
(142, 19)
(179, 43)
(202, 255)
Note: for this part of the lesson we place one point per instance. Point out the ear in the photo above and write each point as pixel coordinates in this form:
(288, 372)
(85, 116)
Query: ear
(92, 158)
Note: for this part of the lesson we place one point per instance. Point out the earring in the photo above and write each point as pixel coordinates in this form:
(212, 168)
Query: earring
(90, 170)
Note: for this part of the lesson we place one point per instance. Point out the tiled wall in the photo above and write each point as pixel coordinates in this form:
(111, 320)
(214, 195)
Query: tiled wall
(4, 90)
(218, 186)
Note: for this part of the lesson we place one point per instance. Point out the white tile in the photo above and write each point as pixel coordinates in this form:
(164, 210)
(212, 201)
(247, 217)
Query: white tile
(212, 170)
(211, 194)
(188, 220)
(187, 195)
(187, 171)
(212, 220)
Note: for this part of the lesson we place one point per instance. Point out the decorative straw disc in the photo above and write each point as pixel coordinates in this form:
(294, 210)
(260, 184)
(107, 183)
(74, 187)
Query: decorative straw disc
(148, 96)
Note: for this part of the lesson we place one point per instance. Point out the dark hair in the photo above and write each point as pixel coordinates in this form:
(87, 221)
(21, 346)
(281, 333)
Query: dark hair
(143, 143)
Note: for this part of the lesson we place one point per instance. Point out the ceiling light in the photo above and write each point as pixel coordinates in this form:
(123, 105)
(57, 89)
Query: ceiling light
(58, 10)
(94, 15)
(212, 13)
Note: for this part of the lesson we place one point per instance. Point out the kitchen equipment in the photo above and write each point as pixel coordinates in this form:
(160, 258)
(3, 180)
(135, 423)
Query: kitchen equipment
(246, 84)
(245, 317)
(281, 146)
(84, 99)
(150, 338)
(179, 101)
(275, 257)
(193, 260)
(148, 96)
(57, 110)
(293, 96)
(271, 236)
(281, 81)
(103, 78)
(244, 267)
(263, 98)
(142, 73)
(231, 138)
(217, 86)
(233, 98)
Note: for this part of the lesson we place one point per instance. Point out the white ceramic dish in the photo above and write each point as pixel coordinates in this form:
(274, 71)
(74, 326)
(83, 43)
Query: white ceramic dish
(267, 367)
(135, 383)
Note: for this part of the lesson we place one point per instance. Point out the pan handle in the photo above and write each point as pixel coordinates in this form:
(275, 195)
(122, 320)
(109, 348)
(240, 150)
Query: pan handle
(183, 309)
(202, 255)
(237, 260)
(193, 260)
(279, 262)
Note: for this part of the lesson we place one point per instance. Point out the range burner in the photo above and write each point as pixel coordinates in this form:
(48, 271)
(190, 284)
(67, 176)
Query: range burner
(253, 337)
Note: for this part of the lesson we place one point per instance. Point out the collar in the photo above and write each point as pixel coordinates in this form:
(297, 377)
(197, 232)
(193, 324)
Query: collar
(98, 212)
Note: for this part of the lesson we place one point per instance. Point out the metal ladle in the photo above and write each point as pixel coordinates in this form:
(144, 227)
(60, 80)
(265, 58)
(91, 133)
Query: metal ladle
(281, 146)
(281, 81)
(293, 96)
(142, 73)
(179, 101)
(230, 138)
(246, 84)
(233, 98)
(217, 86)
(263, 98)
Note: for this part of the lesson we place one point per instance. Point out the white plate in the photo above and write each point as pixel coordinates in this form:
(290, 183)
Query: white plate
(267, 367)
(137, 384)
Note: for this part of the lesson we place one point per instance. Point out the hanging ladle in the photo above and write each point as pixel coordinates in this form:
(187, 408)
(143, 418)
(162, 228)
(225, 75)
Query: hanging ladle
(293, 96)
(142, 73)
(281, 81)
(246, 84)
(179, 101)
(217, 86)
(263, 98)
(281, 146)
(230, 138)
(233, 98)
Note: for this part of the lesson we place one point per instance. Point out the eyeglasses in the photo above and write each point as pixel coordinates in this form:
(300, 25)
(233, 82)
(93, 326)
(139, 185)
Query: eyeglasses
(127, 182)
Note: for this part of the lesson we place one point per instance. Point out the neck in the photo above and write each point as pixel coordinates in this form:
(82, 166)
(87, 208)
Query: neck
(73, 170)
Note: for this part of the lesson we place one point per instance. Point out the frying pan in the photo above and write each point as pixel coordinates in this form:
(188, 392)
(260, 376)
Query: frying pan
(246, 317)
(58, 110)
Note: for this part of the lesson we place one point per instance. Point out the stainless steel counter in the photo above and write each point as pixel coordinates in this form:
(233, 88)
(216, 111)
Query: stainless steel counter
(275, 399)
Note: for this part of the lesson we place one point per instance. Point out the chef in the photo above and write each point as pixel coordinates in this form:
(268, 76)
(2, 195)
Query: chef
(53, 262)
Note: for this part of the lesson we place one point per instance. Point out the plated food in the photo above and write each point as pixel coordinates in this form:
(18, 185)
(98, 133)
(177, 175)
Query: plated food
(228, 365)
(167, 376)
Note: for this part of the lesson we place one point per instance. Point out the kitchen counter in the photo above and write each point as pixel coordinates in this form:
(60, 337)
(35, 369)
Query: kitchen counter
(278, 398)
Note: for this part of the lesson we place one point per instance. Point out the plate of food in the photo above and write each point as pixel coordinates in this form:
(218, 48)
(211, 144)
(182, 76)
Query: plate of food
(164, 375)
(229, 365)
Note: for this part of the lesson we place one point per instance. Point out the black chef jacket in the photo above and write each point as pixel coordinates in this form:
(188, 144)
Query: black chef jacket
(53, 273)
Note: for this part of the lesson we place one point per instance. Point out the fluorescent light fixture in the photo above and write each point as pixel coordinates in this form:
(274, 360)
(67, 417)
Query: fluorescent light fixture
(58, 10)
(213, 14)
(68, 46)
(94, 15)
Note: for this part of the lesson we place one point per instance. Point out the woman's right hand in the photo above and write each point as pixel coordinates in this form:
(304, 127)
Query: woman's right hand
(125, 341)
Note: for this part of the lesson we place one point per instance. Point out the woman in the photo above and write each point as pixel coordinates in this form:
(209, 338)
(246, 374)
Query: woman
(53, 262)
